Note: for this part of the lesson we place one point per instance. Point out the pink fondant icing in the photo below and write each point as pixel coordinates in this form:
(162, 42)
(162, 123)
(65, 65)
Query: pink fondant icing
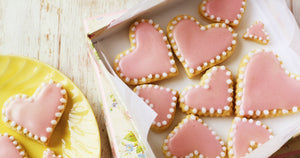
(36, 115)
(8, 149)
(50, 154)
(257, 30)
(198, 46)
(150, 55)
(225, 9)
(215, 96)
(161, 100)
(194, 136)
(267, 86)
(246, 132)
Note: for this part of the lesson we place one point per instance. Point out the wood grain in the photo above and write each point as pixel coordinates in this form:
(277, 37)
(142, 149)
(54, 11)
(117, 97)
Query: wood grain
(52, 31)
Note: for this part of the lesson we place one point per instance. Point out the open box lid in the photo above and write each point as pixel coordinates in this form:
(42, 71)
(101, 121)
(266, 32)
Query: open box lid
(283, 24)
(97, 26)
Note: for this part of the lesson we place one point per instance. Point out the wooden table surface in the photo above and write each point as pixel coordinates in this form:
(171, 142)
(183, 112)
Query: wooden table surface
(52, 31)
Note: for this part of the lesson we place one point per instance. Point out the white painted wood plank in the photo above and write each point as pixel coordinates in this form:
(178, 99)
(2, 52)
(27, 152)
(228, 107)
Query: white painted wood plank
(296, 10)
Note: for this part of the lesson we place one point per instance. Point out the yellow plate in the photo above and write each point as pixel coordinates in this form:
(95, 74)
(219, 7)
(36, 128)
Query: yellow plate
(76, 135)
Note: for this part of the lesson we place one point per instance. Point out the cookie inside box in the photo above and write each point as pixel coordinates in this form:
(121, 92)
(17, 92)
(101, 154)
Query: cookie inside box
(116, 40)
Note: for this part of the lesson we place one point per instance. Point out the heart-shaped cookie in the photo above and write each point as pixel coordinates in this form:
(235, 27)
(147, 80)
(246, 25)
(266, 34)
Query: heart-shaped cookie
(10, 148)
(150, 57)
(257, 33)
(36, 116)
(162, 100)
(200, 47)
(246, 135)
(264, 87)
(212, 97)
(225, 11)
(192, 138)
(50, 154)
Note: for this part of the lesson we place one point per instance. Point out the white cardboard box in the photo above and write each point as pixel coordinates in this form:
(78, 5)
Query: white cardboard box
(109, 37)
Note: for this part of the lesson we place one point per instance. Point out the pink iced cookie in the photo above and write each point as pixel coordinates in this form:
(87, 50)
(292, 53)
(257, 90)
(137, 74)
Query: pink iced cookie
(162, 100)
(150, 57)
(263, 86)
(257, 33)
(225, 11)
(212, 97)
(193, 138)
(50, 154)
(246, 135)
(10, 148)
(36, 116)
(200, 47)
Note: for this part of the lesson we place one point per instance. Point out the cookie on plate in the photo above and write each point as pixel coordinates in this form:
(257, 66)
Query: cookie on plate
(256, 32)
(162, 100)
(10, 147)
(200, 47)
(150, 57)
(263, 86)
(212, 97)
(193, 138)
(36, 116)
(225, 11)
(246, 135)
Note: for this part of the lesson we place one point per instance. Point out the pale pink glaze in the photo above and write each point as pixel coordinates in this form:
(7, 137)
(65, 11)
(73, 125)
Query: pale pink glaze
(267, 86)
(194, 136)
(215, 96)
(246, 132)
(161, 100)
(257, 30)
(197, 46)
(50, 154)
(225, 9)
(8, 149)
(36, 116)
(150, 55)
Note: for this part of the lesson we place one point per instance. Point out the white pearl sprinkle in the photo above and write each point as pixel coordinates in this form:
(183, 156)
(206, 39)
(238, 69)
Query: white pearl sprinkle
(53, 122)
(229, 81)
(173, 70)
(169, 116)
(43, 139)
(194, 110)
(13, 123)
(199, 68)
(226, 108)
(191, 70)
(224, 53)
(258, 123)
(186, 108)
(62, 100)
(164, 74)
(295, 109)
(211, 110)
(250, 112)
(242, 113)
(266, 112)
(203, 109)
(257, 112)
